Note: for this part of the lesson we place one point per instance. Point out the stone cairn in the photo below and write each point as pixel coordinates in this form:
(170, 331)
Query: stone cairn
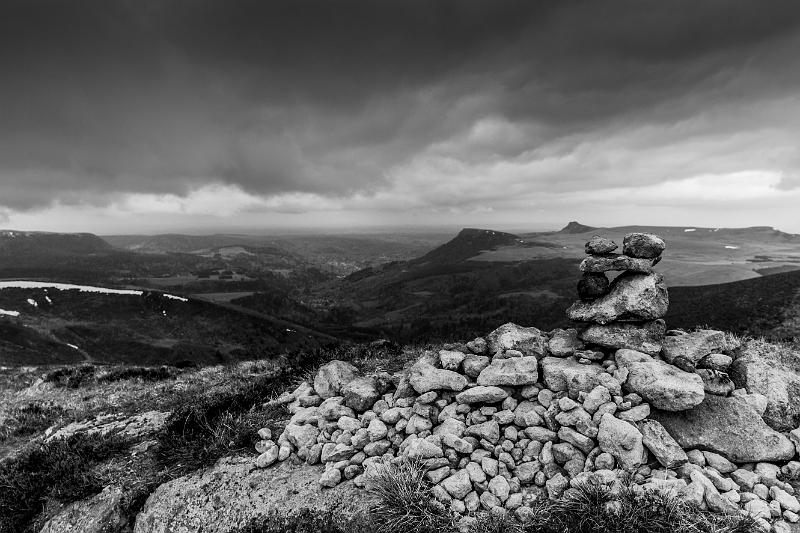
(502, 421)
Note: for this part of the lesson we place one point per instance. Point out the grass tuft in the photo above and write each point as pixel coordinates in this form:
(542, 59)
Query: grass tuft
(61, 470)
(403, 502)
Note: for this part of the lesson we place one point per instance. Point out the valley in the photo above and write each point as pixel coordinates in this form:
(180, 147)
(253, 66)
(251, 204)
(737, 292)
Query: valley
(254, 296)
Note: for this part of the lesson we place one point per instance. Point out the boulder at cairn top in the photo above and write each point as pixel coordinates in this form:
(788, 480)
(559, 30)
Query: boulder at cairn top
(332, 377)
(644, 337)
(643, 245)
(633, 297)
(509, 336)
(592, 285)
(600, 245)
(609, 262)
(693, 346)
(729, 426)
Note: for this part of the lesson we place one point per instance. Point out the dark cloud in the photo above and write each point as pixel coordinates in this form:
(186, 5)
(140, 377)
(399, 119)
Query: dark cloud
(100, 98)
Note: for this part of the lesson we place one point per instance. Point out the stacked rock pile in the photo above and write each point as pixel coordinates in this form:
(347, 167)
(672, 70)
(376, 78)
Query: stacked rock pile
(523, 414)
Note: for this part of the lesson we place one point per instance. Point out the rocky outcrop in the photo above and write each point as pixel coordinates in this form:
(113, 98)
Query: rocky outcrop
(130, 427)
(728, 426)
(101, 513)
(233, 494)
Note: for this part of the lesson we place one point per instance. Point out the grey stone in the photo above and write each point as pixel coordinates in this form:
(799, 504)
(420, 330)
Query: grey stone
(622, 440)
(425, 377)
(600, 245)
(693, 346)
(510, 372)
(481, 394)
(564, 342)
(728, 426)
(773, 371)
(665, 449)
(664, 386)
(645, 337)
(633, 297)
(596, 264)
(593, 285)
(474, 364)
(101, 513)
(716, 382)
(332, 377)
(644, 245)
(568, 374)
(509, 336)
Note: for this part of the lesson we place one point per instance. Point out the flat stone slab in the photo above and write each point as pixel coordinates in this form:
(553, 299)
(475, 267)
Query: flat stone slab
(728, 426)
(644, 337)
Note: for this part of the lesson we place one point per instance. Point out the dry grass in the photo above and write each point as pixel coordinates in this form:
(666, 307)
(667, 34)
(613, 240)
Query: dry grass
(403, 502)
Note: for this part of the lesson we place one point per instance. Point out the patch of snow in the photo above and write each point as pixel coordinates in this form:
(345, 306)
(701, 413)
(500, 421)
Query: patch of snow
(729, 247)
(690, 229)
(173, 297)
(9, 313)
(73, 346)
(48, 299)
(64, 287)
(289, 330)
(32, 302)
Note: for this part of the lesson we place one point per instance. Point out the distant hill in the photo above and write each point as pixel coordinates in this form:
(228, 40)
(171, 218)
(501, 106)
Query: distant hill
(34, 243)
(67, 326)
(468, 243)
(576, 227)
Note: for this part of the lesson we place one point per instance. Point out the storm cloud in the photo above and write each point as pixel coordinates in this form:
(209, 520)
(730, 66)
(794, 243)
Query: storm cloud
(428, 106)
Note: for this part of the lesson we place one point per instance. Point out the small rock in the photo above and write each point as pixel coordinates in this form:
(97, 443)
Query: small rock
(600, 245)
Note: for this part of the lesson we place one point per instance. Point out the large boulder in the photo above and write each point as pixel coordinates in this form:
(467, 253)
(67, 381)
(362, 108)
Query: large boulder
(645, 337)
(360, 394)
(509, 336)
(693, 346)
(645, 245)
(424, 377)
(774, 371)
(513, 372)
(332, 377)
(101, 513)
(662, 385)
(568, 374)
(622, 440)
(232, 495)
(729, 426)
(633, 297)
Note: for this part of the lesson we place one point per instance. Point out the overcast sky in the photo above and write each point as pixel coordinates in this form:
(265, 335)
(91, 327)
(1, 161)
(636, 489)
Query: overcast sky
(145, 116)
